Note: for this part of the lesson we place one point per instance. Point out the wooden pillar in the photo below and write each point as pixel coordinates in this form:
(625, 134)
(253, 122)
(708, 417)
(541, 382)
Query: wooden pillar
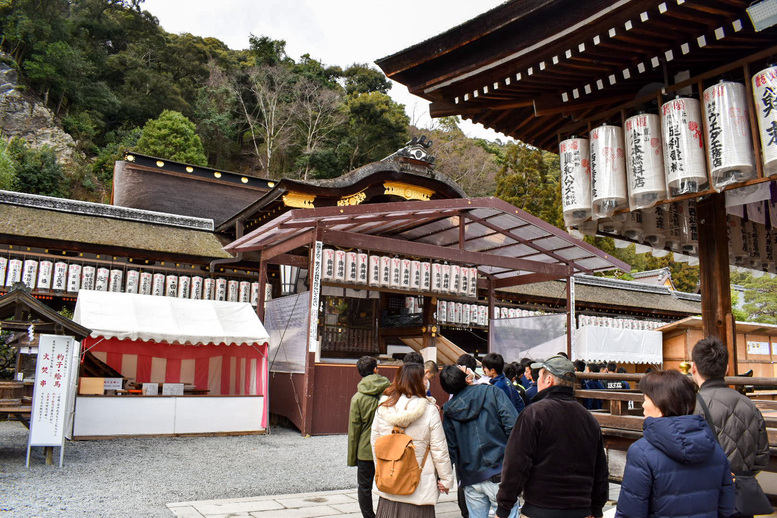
(260, 305)
(428, 324)
(715, 280)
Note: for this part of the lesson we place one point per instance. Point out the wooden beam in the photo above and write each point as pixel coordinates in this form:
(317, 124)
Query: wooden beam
(291, 260)
(520, 280)
(295, 242)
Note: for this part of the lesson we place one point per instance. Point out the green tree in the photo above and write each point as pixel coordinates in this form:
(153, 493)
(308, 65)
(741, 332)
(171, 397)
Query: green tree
(174, 137)
(37, 170)
(7, 166)
(760, 304)
(119, 141)
(377, 127)
(360, 78)
(267, 51)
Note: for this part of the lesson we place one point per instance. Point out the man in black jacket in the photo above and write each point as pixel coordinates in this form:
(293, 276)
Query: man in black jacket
(555, 454)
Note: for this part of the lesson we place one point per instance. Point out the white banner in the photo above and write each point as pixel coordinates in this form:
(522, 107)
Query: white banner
(315, 288)
(286, 321)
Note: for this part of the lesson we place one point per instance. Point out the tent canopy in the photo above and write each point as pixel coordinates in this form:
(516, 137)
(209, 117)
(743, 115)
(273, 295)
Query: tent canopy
(128, 316)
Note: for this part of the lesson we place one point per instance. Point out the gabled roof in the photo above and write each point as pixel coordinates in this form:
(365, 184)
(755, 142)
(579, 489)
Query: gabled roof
(21, 302)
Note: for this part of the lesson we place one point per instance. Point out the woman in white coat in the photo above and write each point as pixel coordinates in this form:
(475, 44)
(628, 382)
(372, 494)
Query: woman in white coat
(404, 404)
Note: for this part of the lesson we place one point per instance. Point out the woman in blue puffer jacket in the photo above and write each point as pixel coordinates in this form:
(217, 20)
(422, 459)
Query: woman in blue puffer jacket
(677, 468)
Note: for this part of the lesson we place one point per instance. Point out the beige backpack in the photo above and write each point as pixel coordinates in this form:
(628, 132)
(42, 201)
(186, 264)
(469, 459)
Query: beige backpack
(396, 468)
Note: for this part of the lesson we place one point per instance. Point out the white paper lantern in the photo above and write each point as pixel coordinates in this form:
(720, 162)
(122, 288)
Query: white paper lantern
(196, 292)
(632, 226)
(45, 271)
(754, 261)
(351, 267)
(426, 276)
(385, 271)
(765, 95)
(504, 312)
(767, 249)
(362, 264)
(339, 266)
(446, 278)
(608, 171)
(184, 286)
(689, 229)
(159, 285)
(233, 288)
(654, 224)
(245, 291)
(327, 264)
(171, 286)
(644, 161)
(146, 283)
(482, 315)
(575, 180)
(465, 314)
(497, 313)
(3, 270)
(455, 287)
(255, 292)
(88, 277)
(133, 281)
(673, 237)
(30, 273)
(374, 270)
(415, 275)
(409, 305)
(73, 282)
(102, 280)
(404, 273)
(512, 313)
(464, 281)
(684, 162)
(727, 124)
(115, 281)
(209, 289)
(457, 312)
(442, 311)
(436, 278)
(15, 267)
(452, 312)
(473, 282)
(396, 272)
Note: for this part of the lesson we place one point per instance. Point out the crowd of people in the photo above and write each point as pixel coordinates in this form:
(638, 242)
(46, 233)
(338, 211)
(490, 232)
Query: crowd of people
(521, 444)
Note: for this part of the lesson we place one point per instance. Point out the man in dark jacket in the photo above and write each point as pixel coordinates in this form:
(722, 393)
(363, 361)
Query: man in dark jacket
(477, 421)
(555, 454)
(363, 406)
(739, 425)
(493, 366)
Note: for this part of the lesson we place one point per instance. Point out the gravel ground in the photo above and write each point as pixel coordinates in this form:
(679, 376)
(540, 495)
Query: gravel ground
(137, 477)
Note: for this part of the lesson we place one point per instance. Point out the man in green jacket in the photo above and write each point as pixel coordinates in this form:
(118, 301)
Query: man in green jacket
(363, 406)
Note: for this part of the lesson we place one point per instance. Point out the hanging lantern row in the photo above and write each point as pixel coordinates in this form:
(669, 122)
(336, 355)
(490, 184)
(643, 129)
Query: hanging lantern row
(450, 312)
(619, 323)
(71, 278)
(751, 245)
(399, 273)
(660, 157)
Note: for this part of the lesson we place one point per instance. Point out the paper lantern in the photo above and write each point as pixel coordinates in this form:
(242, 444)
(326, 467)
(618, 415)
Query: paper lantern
(415, 275)
(102, 280)
(464, 281)
(684, 162)
(738, 241)
(196, 289)
(608, 171)
(644, 161)
(362, 262)
(654, 224)
(632, 226)
(233, 287)
(612, 225)
(442, 311)
(409, 305)
(208, 289)
(255, 292)
(245, 291)
(395, 272)
(575, 180)
(184, 286)
(727, 124)
(30, 273)
(504, 312)
(445, 272)
(115, 281)
(673, 236)
(455, 286)
(451, 312)
(88, 277)
(512, 313)
(374, 270)
(436, 278)
(754, 261)
(404, 274)
(473, 281)
(171, 286)
(497, 313)
(159, 285)
(765, 95)
(3, 270)
(689, 229)
(221, 289)
(351, 267)
(767, 248)
(74, 272)
(482, 315)
(473, 312)
(385, 271)
(339, 266)
(457, 309)
(465, 314)
(146, 283)
(45, 271)
(133, 281)
(327, 264)
(426, 276)
(15, 267)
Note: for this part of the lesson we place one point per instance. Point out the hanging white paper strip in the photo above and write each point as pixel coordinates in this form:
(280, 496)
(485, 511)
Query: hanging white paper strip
(608, 171)
(765, 95)
(15, 267)
(575, 180)
(146, 283)
(196, 292)
(426, 276)
(88, 277)
(374, 273)
(209, 289)
(245, 291)
(133, 281)
(351, 267)
(404, 273)
(684, 162)
(644, 161)
(255, 293)
(339, 266)
(362, 261)
(415, 275)
(171, 286)
(115, 281)
(727, 124)
(30, 273)
(45, 270)
(233, 287)
(184, 286)
(159, 285)
(385, 271)
(102, 281)
(328, 264)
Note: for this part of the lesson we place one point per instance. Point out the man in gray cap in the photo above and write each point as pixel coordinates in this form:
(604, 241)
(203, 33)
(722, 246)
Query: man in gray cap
(555, 455)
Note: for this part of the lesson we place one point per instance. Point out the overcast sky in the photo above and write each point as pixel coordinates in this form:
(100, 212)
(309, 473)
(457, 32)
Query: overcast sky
(335, 32)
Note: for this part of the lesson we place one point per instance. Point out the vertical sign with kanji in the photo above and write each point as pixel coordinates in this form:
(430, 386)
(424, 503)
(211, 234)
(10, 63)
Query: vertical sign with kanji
(53, 388)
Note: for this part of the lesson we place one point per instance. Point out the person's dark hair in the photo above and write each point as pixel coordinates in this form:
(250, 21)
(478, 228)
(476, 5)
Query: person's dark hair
(431, 366)
(366, 365)
(612, 366)
(648, 370)
(452, 379)
(621, 370)
(710, 357)
(512, 371)
(413, 357)
(594, 367)
(409, 381)
(562, 353)
(535, 375)
(468, 361)
(526, 362)
(672, 392)
(494, 361)
(579, 365)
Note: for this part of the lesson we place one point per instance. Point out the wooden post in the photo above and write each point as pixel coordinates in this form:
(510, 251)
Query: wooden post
(715, 279)
(260, 305)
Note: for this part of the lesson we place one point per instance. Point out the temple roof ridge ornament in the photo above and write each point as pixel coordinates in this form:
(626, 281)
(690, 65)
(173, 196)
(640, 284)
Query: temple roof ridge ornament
(416, 149)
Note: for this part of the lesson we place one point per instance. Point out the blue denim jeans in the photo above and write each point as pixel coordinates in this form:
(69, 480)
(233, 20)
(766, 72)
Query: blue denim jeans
(481, 498)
